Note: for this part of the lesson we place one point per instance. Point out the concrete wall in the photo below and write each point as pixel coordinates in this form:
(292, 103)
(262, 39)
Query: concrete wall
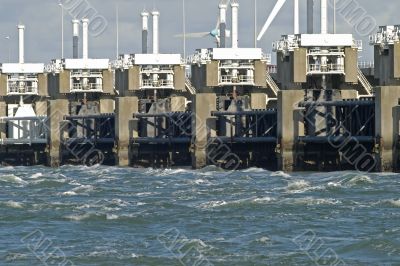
(202, 127)
(108, 82)
(350, 65)
(386, 126)
(260, 73)
(3, 84)
(134, 78)
(300, 65)
(106, 106)
(125, 107)
(65, 82)
(3, 112)
(41, 108)
(179, 78)
(288, 127)
(396, 60)
(258, 101)
(178, 104)
(212, 74)
(43, 85)
(387, 64)
(56, 112)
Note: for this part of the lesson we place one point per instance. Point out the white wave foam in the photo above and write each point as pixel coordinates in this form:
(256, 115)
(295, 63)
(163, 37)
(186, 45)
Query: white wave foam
(14, 204)
(281, 174)
(313, 201)
(75, 217)
(263, 200)
(360, 179)
(200, 181)
(263, 240)
(392, 202)
(13, 179)
(36, 176)
(213, 204)
(69, 193)
(298, 186)
(254, 170)
(112, 216)
(81, 190)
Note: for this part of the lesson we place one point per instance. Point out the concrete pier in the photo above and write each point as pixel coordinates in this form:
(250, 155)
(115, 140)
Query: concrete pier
(106, 105)
(387, 126)
(3, 125)
(56, 111)
(203, 125)
(125, 108)
(288, 127)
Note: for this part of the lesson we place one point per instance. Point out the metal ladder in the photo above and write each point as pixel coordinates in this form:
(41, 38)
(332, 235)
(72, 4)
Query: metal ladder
(364, 82)
(190, 87)
(271, 83)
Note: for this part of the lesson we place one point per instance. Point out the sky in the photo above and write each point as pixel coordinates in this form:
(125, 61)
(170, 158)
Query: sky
(42, 19)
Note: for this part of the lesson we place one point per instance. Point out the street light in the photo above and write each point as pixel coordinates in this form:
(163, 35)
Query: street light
(9, 48)
(62, 29)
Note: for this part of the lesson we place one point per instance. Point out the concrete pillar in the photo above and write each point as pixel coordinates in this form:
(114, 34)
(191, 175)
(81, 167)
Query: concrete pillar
(106, 106)
(288, 127)
(3, 113)
(386, 126)
(202, 126)
(41, 108)
(349, 94)
(178, 104)
(56, 111)
(125, 107)
(258, 101)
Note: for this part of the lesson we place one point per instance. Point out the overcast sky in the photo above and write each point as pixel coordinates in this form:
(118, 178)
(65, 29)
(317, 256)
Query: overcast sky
(43, 25)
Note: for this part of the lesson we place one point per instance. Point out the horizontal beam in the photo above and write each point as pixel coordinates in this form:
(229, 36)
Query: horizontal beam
(337, 103)
(261, 112)
(169, 114)
(74, 117)
(336, 139)
(246, 139)
(23, 141)
(148, 140)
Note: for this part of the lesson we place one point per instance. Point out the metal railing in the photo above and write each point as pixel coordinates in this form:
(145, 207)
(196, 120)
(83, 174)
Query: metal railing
(160, 83)
(26, 130)
(236, 79)
(366, 64)
(16, 89)
(87, 87)
(318, 68)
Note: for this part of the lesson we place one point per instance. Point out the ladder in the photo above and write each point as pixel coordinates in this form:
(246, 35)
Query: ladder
(364, 82)
(190, 87)
(271, 83)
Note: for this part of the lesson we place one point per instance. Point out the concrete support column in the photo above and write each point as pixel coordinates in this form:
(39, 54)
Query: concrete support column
(349, 94)
(3, 112)
(178, 104)
(288, 127)
(41, 108)
(106, 106)
(56, 111)
(258, 101)
(386, 126)
(203, 126)
(125, 107)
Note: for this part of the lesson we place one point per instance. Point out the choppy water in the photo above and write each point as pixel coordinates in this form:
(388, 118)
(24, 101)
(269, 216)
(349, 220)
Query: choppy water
(115, 216)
